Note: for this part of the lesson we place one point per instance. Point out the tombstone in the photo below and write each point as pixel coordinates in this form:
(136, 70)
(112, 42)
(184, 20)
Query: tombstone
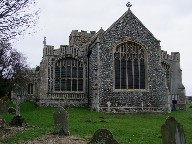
(3, 107)
(61, 121)
(103, 136)
(108, 106)
(2, 123)
(172, 132)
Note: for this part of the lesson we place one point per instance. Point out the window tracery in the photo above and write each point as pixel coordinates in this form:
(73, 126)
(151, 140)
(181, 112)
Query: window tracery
(130, 69)
(68, 75)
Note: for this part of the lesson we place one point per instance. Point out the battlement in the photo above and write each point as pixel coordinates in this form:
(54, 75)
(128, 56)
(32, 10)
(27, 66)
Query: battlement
(81, 33)
(174, 56)
(80, 38)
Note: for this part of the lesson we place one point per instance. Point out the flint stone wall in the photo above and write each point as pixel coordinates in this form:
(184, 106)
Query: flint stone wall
(129, 28)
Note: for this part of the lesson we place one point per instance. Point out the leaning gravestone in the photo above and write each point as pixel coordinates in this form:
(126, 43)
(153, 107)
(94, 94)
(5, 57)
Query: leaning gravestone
(103, 136)
(172, 132)
(61, 121)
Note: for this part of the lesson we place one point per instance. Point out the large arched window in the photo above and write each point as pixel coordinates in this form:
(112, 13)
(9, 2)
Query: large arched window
(129, 64)
(68, 75)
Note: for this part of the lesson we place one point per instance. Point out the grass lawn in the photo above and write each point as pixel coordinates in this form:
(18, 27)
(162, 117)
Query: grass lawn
(129, 128)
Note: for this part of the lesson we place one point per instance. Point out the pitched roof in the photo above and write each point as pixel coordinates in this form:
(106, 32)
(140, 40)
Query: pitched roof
(126, 15)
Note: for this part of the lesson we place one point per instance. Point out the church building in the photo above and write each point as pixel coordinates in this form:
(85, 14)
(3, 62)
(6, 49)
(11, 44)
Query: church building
(122, 69)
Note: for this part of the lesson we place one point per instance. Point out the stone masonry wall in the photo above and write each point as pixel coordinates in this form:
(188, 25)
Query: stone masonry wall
(129, 28)
(177, 89)
(93, 77)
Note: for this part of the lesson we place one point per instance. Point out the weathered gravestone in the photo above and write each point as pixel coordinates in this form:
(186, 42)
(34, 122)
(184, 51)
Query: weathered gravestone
(3, 107)
(61, 121)
(172, 132)
(2, 123)
(103, 136)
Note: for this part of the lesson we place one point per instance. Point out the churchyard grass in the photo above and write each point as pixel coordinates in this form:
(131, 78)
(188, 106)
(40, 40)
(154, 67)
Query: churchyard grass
(127, 128)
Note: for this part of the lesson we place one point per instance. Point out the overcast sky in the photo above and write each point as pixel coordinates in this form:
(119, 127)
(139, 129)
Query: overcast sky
(170, 21)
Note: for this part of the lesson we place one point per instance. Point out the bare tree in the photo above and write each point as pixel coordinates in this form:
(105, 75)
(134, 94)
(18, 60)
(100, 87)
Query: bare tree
(16, 16)
(13, 69)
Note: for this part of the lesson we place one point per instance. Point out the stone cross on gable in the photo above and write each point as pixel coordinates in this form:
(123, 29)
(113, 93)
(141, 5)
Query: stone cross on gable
(129, 5)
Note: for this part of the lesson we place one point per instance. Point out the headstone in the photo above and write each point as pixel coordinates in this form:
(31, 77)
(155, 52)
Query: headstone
(3, 107)
(2, 123)
(108, 106)
(172, 132)
(61, 121)
(103, 136)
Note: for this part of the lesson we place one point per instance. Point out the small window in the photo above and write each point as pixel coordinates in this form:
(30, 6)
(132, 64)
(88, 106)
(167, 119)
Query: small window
(30, 89)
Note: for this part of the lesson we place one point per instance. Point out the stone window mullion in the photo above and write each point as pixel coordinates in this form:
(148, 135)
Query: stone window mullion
(132, 60)
(139, 68)
(126, 58)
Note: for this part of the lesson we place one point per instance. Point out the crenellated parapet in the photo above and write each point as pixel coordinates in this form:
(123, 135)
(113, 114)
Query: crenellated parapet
(175, 56)
(80, 38)
(64, 51)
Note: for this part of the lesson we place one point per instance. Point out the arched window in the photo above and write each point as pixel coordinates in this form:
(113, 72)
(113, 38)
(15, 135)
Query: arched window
(166, 68)
(68, 75)
(129, 64)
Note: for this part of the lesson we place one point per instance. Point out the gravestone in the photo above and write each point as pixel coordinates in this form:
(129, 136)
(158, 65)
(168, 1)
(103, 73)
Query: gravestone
(103, 136)
(3, 107)
(61, 121)
(2, 123)
(172, 132)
